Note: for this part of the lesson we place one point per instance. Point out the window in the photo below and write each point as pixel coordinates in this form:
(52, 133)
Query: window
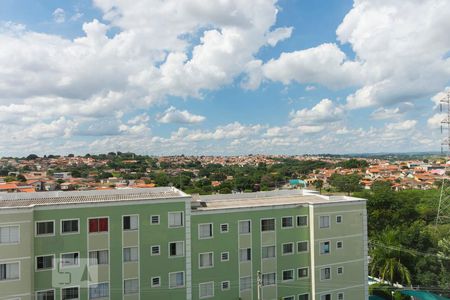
(339, 244)
(302, 273)
(288, 248)
(176, 249)
(245, 283)
(268, 279)
(69, 259)
(98, 257)
(268, 252)
(244, 227)
(289, 298)
(303, 297)
(224, 256)
(288, 275)
(69, 226)
(302, 221)
(245, 254)
(69, 293)
(325, 247)
(100, 290)
(338, 219)
(325, 297)
(175, 219)
(223, 228)
(9, 271)
(287, 222)
(130, 222)
(206, 289)
(267, 224)
(324, 221)
(206, 260)
(98, 225)
(340, 270)
(154, 220)
(325, 273)
(205, 231)
(155, 250)
(340, 296)
(176, 280)
(130, 254)
(130, 286)
(9, 234)
(45, 228)
(44, 262)
(302, 246)
(45, 295)
(156, 281)
(225, 285)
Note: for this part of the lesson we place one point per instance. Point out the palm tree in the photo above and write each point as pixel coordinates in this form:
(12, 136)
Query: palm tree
(386, 258)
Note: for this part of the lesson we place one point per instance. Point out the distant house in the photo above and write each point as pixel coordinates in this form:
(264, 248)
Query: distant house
(297, 183)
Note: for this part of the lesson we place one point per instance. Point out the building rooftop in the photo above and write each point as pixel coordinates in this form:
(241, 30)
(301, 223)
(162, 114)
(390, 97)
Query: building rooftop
(24, 200)
(271, 198)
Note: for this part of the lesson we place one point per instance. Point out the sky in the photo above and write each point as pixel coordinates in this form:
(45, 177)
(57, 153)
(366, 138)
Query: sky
(222, 77)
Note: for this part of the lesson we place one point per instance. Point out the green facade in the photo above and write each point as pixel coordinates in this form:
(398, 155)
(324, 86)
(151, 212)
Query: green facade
(221, 280)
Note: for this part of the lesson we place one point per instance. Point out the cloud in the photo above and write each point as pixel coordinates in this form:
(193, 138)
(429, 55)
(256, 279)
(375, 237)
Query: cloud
(278, 35)
(173, 115)
(383, 113)
(59, 15)
(323, 112)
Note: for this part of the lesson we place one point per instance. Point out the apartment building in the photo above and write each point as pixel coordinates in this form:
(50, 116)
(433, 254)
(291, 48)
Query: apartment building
(161, 243)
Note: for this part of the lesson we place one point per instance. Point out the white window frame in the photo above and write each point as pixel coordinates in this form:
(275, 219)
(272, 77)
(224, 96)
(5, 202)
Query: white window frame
(43, 270)
(227, 228)
(301, 226)
(98, 250)
(182, 219)
(98, 232)
(47, 290)
(138, 287)
(292, 222)
(303, 295)
(155, 285)
(305, 277)
(322, 296)
(288, 253)
(212, 231)
(70, 287)
(68, 233)
(292, 297)
(200, 260)
(70, 266)
(246, 249)
(320, 274)
(266, 274)
(45, 234)
(199, 289)
(96, 284)
(130, 261)
(151, 250)
(184, 280)
(19, 271)
(250, 285)
(270, 257)
(228, 256)
(151, 219)
(340, 293)
(307, 246)
(225, 289)
(342, 219)
(131, 229)
(249, 224)
(265, 219)
(288, 270)
(337, 270)
(18, 235)
(329, 222)
(182, 249)
(342, 244)
(329, 247)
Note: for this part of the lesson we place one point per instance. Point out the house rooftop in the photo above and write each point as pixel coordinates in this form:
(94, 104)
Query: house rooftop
(271, 198)
(26, 200)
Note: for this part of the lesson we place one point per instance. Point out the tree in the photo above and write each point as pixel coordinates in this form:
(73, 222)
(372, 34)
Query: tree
(21, 178)
(386, 258)
(346, 183)
(318, 184)
(32, 156)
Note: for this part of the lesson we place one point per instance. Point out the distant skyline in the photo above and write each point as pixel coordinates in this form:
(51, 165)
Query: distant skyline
(222, 77)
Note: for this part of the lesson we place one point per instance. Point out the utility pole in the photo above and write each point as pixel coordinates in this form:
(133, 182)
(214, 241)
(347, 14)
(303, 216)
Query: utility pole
(259, 283)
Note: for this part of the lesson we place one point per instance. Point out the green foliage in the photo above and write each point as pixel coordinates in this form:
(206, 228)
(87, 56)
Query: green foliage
(353, 163)
(346, 183)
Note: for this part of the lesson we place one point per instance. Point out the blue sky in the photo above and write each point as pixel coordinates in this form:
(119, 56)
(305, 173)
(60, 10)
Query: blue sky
(285, 77)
